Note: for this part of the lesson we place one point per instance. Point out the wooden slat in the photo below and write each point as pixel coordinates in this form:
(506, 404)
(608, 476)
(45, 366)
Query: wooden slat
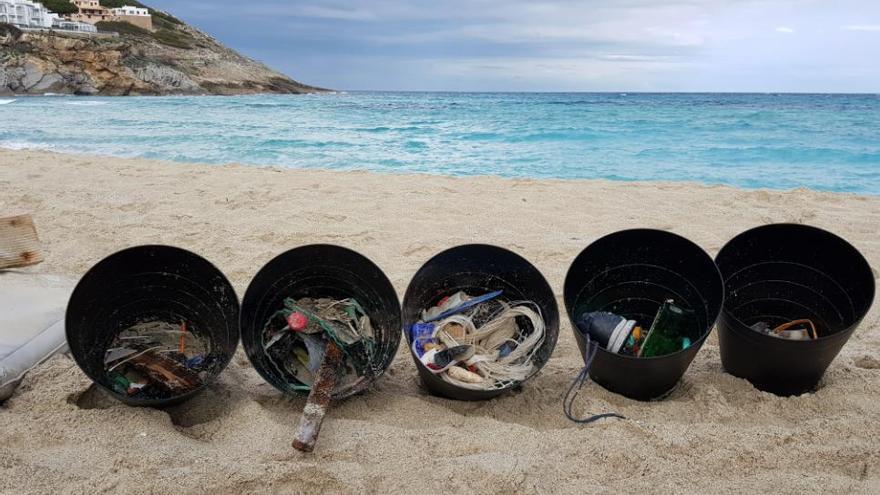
(19, 244)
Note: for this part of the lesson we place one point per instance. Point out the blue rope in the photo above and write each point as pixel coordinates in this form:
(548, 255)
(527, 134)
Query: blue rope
(591, 349)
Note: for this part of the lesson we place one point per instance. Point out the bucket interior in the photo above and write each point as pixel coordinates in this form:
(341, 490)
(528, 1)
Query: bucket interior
(631, 273)
(151, 284)
(785, 272)
(478, 269)
(320, 271)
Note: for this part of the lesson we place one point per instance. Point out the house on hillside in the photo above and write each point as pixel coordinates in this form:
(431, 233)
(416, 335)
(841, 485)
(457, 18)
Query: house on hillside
(90, 11)
(93, 12)
(134, 15)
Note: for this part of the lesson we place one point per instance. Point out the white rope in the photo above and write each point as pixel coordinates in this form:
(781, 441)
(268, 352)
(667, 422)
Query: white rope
(497, 372)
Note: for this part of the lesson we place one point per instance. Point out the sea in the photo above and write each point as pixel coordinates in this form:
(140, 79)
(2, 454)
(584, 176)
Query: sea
(823, 142)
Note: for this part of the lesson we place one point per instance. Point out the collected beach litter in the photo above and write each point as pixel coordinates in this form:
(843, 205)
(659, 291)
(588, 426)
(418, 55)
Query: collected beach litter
(479, 343)
(152, 325)
(673, 329)
(297, 337)
(641, 304)
(158, 360)
(803, 329)
(321, 320)
(795, 296)
(321, 345)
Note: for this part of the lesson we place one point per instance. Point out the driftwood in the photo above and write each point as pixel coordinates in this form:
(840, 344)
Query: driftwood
(319, 399)
(166, 373)
(19, 244)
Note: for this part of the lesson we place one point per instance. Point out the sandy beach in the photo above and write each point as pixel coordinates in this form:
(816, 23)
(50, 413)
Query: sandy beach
(714, 433)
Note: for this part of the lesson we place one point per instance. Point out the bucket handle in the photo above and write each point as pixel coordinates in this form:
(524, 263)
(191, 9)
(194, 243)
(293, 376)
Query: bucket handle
(590, 350)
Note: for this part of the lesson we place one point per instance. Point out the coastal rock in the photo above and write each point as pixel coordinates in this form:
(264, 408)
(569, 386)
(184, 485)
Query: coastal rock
(166, 77)
(175, 59)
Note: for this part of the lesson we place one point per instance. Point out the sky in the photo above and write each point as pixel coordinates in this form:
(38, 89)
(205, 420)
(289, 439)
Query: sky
(555, 45)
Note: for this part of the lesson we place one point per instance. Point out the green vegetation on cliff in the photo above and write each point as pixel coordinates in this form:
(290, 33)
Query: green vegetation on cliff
(60, 6)
(169, 37)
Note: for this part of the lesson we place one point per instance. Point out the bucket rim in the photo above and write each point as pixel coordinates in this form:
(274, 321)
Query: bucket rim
(95, 266)
(696, 345)
(741, 326)
(337, 247)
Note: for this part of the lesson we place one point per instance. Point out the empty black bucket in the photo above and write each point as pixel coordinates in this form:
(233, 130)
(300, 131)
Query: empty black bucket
(631, 273)
(148, 283)
(320, 271)
(478, 269)
(783, 272)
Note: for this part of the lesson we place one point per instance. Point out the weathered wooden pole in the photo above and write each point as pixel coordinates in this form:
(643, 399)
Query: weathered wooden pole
(319, 399)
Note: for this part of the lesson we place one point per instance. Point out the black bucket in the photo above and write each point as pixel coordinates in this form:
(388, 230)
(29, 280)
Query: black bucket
(151, 282)
(478, 269)
(319, 271)
(783, 272)
(631, 273)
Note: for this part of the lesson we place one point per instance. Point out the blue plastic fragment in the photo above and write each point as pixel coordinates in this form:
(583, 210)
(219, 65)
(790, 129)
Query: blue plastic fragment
(195, 361)
(470, 303)
(505, 349)
(421, 333)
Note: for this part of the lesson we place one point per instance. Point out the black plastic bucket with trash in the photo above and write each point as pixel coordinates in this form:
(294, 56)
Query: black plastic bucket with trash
(312, 296)
(480, 320)
(795, 295)
(641, 303)
(153, 325)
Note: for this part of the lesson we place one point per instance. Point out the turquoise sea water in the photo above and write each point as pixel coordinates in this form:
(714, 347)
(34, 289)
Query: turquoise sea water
(824, 142)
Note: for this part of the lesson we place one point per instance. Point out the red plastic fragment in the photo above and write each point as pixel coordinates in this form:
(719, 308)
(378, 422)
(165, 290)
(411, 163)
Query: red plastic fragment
(297, 321)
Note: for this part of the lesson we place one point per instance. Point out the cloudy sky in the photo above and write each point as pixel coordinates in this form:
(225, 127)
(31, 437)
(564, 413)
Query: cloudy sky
(555, 45)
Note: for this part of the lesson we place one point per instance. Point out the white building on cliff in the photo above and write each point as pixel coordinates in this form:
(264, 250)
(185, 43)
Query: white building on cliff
(26, 14)
(134, 15)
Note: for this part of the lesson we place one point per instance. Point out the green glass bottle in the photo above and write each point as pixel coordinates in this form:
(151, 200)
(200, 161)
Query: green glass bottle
(674, 329)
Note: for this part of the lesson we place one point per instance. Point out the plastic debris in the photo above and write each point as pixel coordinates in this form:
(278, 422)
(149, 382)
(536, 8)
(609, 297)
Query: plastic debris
(297, 354)
(422, 336)
(158, 360)
(479, 343)
(455, 304)
(789, 330)
(321, 346)
(673, 329)
(464, 375)
(297, 321)
(611, 331)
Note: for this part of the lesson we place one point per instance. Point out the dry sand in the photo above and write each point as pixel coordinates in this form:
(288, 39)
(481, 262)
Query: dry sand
(715, 433)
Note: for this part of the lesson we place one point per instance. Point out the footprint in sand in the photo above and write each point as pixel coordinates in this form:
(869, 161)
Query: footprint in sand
(867, 362)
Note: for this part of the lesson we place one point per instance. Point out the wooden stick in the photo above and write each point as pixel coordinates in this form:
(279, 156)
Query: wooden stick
(319, 399)
(166, 373)
(19, 244)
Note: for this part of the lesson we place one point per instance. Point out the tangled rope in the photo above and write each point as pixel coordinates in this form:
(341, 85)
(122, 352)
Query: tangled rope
(488, 340)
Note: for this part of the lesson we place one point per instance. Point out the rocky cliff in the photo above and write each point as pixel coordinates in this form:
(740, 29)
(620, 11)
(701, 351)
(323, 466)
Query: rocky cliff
(174, 59)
